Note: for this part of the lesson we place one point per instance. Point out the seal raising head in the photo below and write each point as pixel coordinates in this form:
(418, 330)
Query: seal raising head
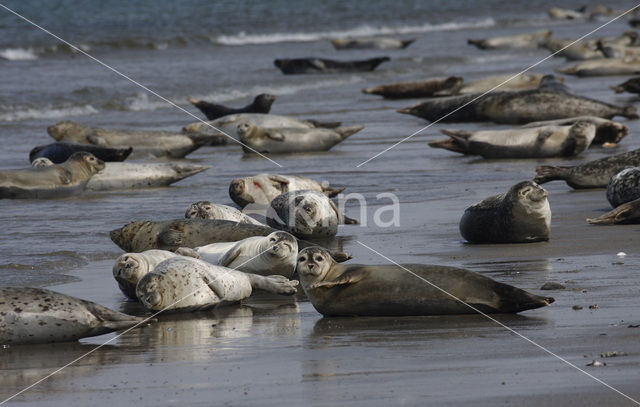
(313, 265)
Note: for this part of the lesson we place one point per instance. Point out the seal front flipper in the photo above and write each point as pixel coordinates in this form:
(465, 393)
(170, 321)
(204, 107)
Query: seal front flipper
(349, 277)
(275, 135)
(173, 237)
(275, 284)
(187, 252)
(229, 257)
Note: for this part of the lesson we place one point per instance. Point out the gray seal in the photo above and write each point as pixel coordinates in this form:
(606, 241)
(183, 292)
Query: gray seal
(522, 215)
(627, 213)
(551, 100)
(624, 186)
(417, 89)
(593, 174)
(35, 315)
(184, 284)
(208, 210)
(54, 181)
(512, 41)
(389, 290)
(607, 131)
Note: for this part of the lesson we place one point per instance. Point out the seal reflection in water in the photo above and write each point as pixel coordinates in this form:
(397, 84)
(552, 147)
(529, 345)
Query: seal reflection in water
(522, 215)
(389, 290)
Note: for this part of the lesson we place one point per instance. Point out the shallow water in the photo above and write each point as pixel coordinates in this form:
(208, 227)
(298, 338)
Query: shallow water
(283, 352)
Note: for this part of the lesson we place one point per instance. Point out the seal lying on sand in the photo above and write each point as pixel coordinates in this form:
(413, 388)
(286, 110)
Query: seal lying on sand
(306, 214)
(603, 67)
(261, 104)
(370, 43)
(415, 89)
(551, 100)
(391, 290)
(229, 124)
(320, 65)
(208, 210)
(293, 140)
(627, 213)
(512, 41)
(607, 131)
(60, 151)
(35, 315)
(129, 268)
(156, 143)
(55, 181)
(593, 174)
(263, 188)
(522, 215)
(538, 142)
(624, 186)
(184, 284)
(566, 14)
(631, 85)
(265, 255)
(505, 82)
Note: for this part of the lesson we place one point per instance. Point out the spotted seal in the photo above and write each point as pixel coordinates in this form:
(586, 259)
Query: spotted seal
(624, 186)
(391, 290)
(208, 210)
(129, 268)
(261, 104)
(35, 315)
(522, 215)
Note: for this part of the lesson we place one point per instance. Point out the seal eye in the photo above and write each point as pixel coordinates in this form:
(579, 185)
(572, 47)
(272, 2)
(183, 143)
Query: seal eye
(302, 258)
(273, 239)
(319, 258)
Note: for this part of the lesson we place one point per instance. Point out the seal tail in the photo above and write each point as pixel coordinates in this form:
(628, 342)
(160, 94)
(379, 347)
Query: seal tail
(546, 173)
(482, 44)
(406, 43)
(348, 130)
(514, 300)
(458, 141)
(113, 320)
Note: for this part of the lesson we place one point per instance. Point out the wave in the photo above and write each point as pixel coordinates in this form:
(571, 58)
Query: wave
(17, 113)
(243, 38)
(18, 54)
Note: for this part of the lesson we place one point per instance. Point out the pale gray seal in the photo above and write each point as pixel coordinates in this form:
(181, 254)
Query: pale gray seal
(537, 142)
(566, 14)
(306, 214)
(145, 142)
(505, 82)
(183, 284)
(35, 315)
(603, 67)
(142, 175)
(592, 174)
(129, 268)
(55, 181)
(522, 215)
(60, 151)
(320, 65)
(291, 140)
(208, 210)
(391, 290)
(624, 186)
(370, 43)
(261, 104)
(551, 100)
(261, 189)
(512, 41)
(272, 254)
(416, 89)
(607, 131)
(627, 213)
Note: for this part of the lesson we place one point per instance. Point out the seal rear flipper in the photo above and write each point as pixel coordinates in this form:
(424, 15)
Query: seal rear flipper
(350, 221)
(187, 252)
(629, 112)
(349, 277)
(332, 192)
(111, 319)
(173, 237)
(625, 213)
(546, 173)
(514, 300)
(406, 43)
(347, 131)
(455, 144)
(275, 135)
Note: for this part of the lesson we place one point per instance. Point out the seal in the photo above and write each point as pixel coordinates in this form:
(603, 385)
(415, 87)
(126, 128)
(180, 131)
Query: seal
(41, 162)
(627, 213)
(184, 284)
(592, 174)
(390, 290)
(603, 67)
(229, 124)
(261, 104)
(55, 181)
(522, 215)
(370, 43)
(320, 65)
(607, 131)
(502, 82)
(624, 186)
(129, 268)
(261, 189)
(35, 315)
(306, 214)
(147, 175)
(512, 41)
(417, 89)
(144, 142)
(272, 254)
(60, 151)
(551, 100)
(566, 14)
(537, 142)
(630, 85)
(208, 210)
(286, 140)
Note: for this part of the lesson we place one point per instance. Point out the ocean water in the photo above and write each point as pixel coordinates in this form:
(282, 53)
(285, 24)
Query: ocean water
(224, 51)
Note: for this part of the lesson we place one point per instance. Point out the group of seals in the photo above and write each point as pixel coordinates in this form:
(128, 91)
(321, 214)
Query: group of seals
(391, 290)
(261, 104)
(321, 65)
(54, 181)
(35, 315)
(522, 215)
